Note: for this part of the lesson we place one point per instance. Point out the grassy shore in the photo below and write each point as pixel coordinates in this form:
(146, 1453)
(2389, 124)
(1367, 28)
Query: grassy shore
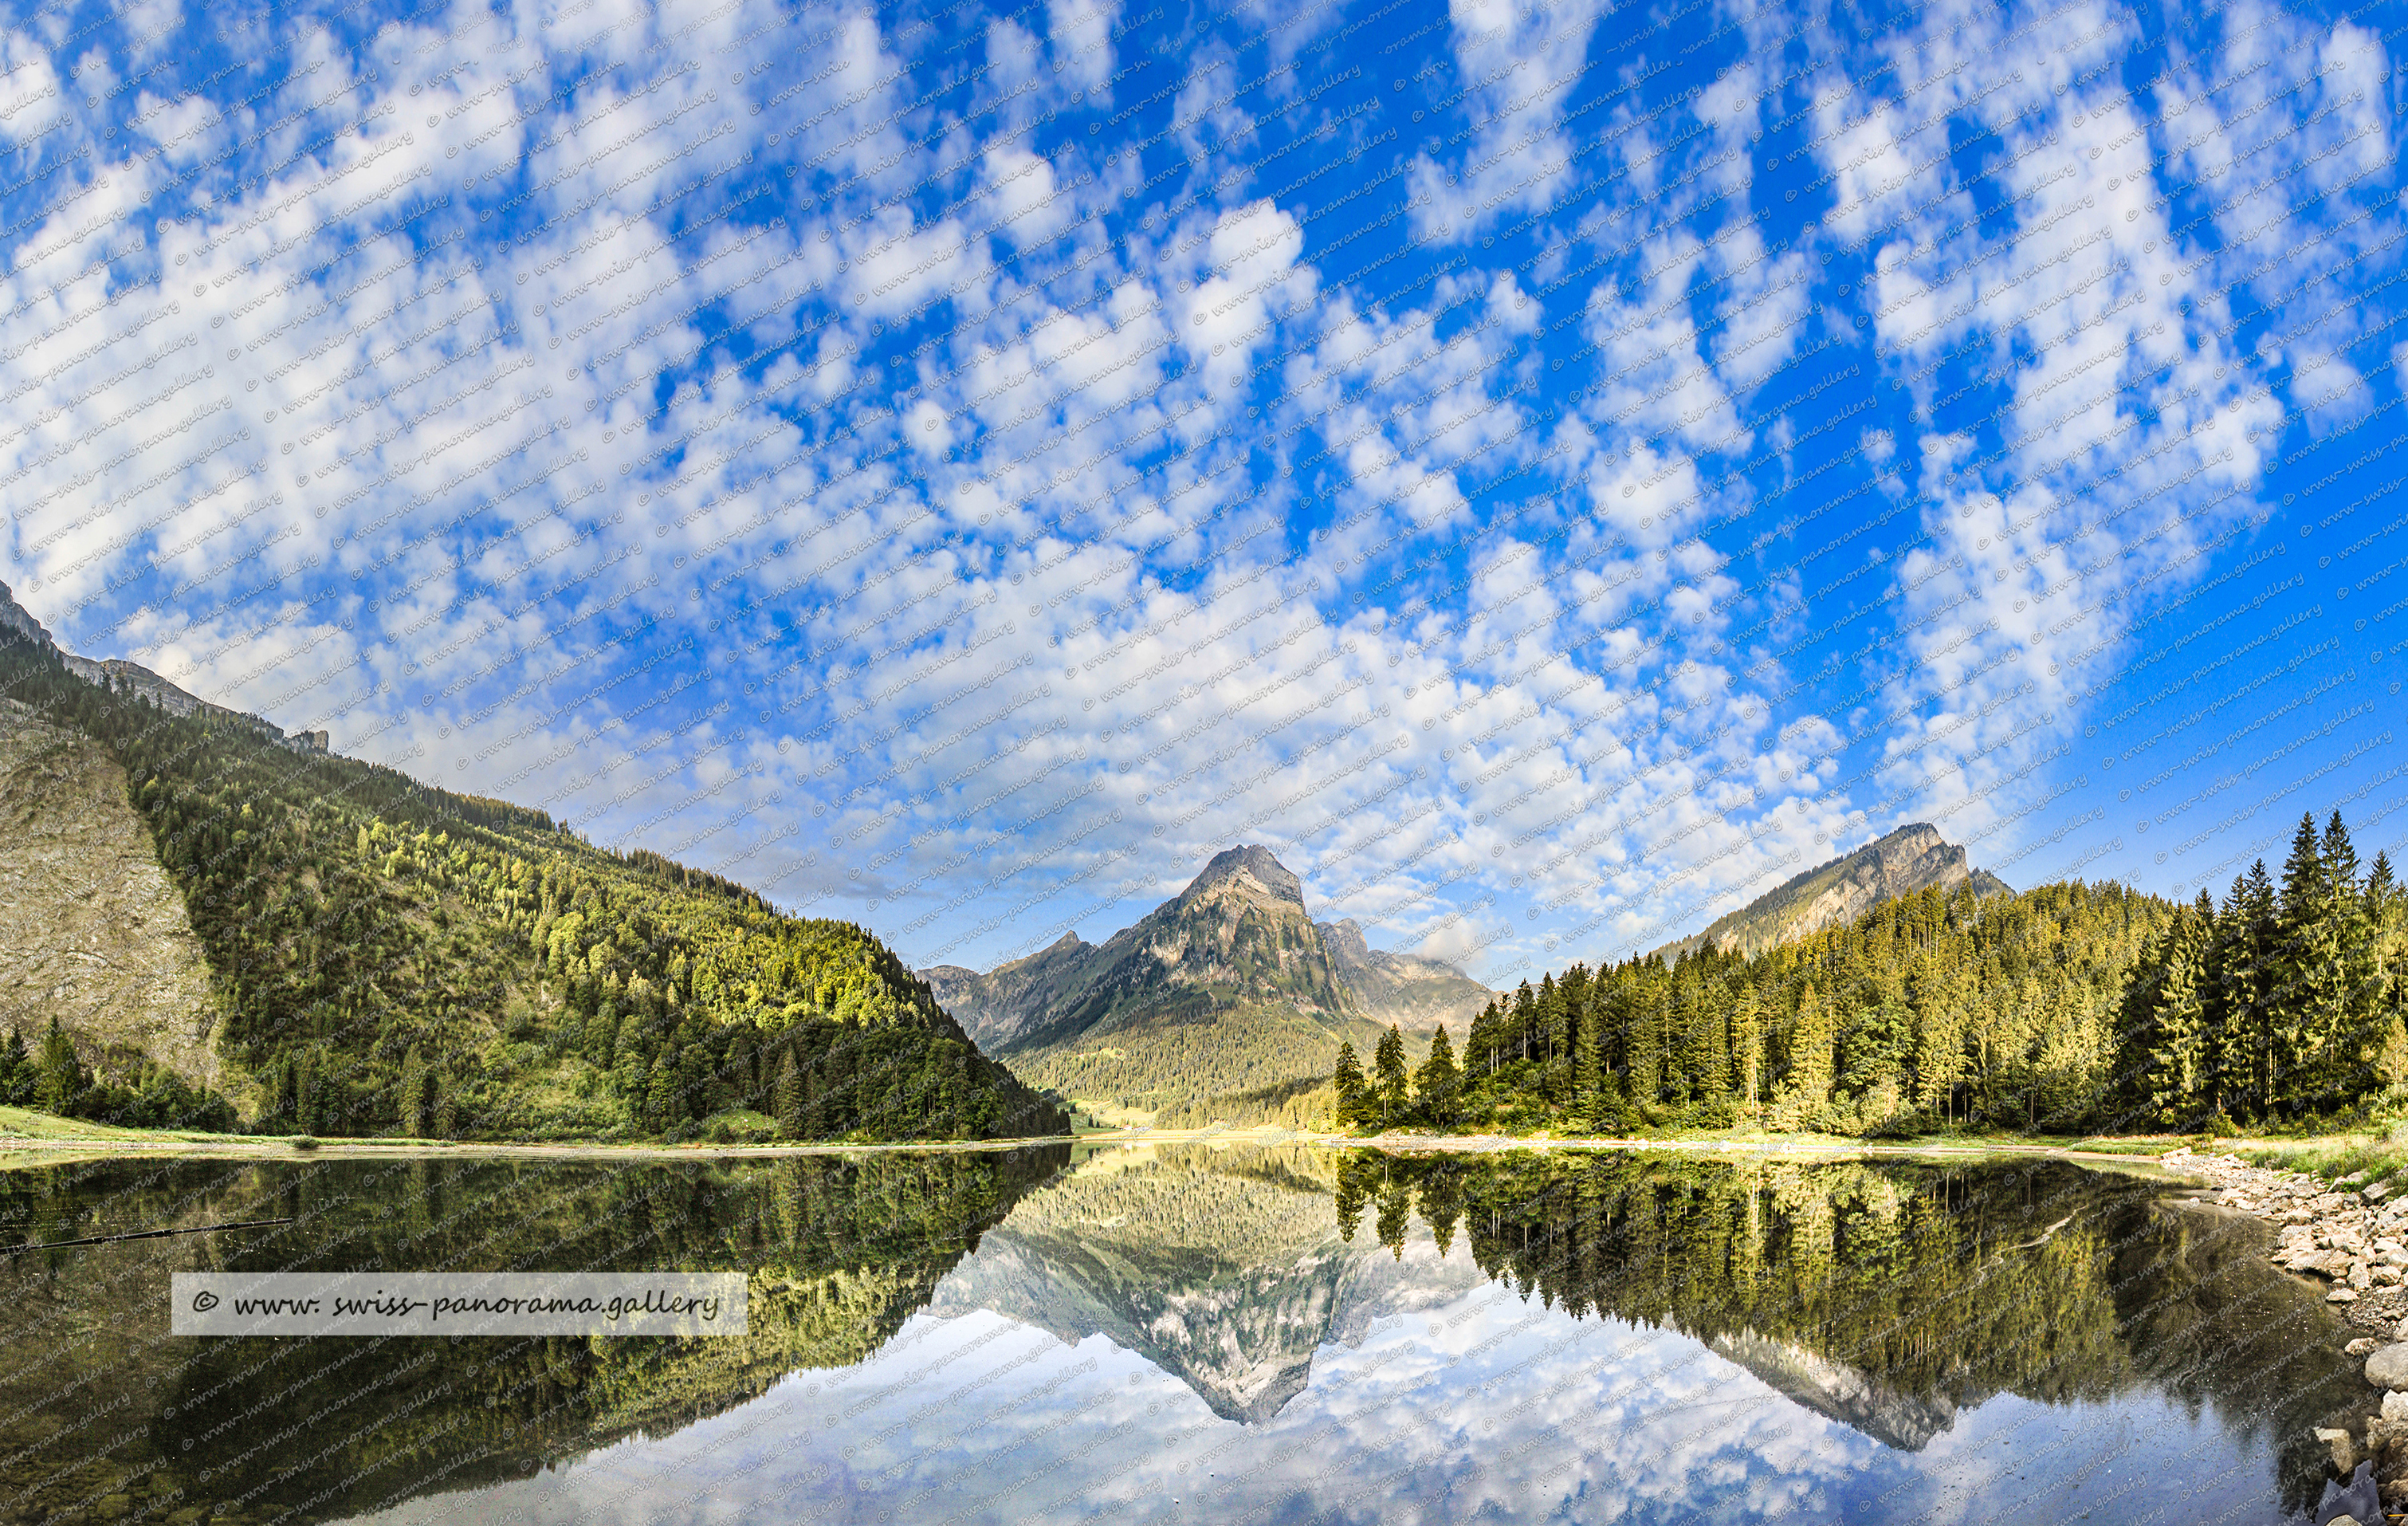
(2360, 1157)
(24, 1132)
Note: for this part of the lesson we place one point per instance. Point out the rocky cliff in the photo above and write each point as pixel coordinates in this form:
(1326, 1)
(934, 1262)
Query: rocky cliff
(91, 931)
(1416, 993)
(1912, 859)
(133, 678)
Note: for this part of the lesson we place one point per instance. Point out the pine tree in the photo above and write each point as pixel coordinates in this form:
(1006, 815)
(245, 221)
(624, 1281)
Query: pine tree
(789, 1099)
(1437, 1082)
(1348, 1084)
(1746, 1044)
(59, 1076)
(1813, 1039)
(1388, 1075)
(815, 1118)
(411, 1099)
(17, 1074)
(2308, 990)
(661, 1110)
(2387, 998)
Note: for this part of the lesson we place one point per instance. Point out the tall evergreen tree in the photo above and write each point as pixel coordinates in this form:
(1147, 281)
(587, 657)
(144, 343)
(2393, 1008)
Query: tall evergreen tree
(412, 1098)
(1348, 1084)
(1388, 1078)
(59, 1076)
(18, 1079)
(789, 1099)
(1437, 1082)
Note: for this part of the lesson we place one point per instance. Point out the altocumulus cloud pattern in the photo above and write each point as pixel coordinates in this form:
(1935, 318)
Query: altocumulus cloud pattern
(1549, 470)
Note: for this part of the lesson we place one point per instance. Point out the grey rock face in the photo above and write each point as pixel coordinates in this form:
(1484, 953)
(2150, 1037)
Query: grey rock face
(1912, 859)
(1417, 993)
(90, 928)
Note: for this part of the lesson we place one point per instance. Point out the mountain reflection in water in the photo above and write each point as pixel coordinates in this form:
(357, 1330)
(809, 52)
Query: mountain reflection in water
(1189, 1334)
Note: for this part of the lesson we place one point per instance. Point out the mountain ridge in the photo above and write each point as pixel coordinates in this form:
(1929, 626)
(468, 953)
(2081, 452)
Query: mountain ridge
(117, 674)
(1893, 866)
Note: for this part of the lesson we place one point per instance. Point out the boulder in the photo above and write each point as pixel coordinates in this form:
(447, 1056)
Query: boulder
(2342, 1295)
(2374, 1193)
(2345, 1448)
(2388, 1439)
(2362, 1347)
(2395, 1406)
(2388, 1367)
(2355, 1500)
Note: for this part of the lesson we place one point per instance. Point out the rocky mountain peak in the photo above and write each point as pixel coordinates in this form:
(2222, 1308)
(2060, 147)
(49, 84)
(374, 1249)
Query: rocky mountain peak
(1898, 863)
(15, 616)
(1346, 943)
(1254, 869)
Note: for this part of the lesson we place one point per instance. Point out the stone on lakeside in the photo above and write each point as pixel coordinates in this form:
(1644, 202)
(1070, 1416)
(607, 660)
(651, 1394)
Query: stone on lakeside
(2388, 1367)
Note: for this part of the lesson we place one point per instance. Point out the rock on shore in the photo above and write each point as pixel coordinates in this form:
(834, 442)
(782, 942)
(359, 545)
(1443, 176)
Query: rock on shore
(2356, 1239)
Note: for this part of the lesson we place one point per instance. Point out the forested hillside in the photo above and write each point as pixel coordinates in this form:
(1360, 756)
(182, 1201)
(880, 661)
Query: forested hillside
(2069, 1006)
(388, 957)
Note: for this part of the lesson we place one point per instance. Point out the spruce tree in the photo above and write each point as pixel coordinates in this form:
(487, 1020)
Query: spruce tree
(17, 1077)
(2387, 999)
(59, 1076)
(1388, 1075)
(789, 1099)
(1348, 1084)
(2308, 988)
(661, 1112)
(1437, 1082)
(815, 1116)
(409, 1100)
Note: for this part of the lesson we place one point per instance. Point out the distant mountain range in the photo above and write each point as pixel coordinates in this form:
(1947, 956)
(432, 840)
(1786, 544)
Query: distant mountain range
(1229, 988)
(1914, 857)
(1230, 993)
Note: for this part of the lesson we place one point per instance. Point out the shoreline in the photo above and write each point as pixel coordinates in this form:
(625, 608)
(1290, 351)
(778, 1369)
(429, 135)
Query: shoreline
(279, 1148)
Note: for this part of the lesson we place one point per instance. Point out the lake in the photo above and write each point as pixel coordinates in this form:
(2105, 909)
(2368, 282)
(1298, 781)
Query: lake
(1186, 1334)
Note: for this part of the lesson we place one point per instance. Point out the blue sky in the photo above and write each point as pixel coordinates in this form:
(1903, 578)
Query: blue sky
(1549, 471)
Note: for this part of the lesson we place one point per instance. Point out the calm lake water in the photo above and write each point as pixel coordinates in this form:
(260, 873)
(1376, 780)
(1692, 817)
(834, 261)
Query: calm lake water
(1187, 1333)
